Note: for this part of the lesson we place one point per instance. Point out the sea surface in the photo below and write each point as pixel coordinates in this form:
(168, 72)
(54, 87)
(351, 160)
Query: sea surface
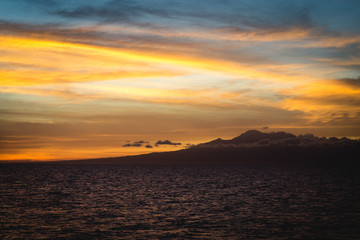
(112, 202)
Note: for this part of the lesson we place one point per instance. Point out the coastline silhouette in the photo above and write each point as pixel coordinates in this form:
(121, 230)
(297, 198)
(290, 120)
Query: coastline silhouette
(252, 148)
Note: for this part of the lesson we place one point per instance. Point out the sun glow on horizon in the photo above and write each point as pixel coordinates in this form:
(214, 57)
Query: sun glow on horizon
(83, 85)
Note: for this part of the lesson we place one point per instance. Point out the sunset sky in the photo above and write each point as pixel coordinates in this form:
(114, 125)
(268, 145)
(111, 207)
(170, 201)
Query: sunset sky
(88, 79)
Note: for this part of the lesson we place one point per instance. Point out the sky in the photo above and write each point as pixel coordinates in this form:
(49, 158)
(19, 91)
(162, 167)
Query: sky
(103, 78)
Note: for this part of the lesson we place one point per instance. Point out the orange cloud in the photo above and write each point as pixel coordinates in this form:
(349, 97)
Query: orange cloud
(324, 101)
(200, 97)
(48, 61)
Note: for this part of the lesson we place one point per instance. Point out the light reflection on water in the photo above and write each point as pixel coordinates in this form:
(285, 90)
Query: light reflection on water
(110, 202)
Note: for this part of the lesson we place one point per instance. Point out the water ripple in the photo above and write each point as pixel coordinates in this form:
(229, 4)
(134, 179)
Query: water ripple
(111, 202)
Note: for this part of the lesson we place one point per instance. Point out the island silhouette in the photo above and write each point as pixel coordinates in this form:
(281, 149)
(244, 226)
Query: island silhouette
(252, 148)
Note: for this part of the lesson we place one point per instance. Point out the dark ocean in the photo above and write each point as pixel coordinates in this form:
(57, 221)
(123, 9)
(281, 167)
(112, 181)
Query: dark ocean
(112, 202)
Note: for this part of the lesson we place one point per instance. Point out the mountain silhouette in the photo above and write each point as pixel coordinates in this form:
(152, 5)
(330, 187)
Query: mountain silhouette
(252, 148)
(252, 136)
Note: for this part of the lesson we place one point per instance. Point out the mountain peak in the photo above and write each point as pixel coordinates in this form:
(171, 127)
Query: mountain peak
(251, 136)
(216, 141)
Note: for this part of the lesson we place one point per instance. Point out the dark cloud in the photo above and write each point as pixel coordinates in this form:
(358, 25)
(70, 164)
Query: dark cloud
(273, 16)
(244, 15)
(281, 14)
(136, 144)
(116, 10)
(353, 82)
(255, 14)
(132, 145)
(348, 52)
(149, 146)
(54, 31)
(166, 142)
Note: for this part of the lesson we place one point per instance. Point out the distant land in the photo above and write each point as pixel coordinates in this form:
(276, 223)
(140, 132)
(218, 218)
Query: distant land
(252, 148)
